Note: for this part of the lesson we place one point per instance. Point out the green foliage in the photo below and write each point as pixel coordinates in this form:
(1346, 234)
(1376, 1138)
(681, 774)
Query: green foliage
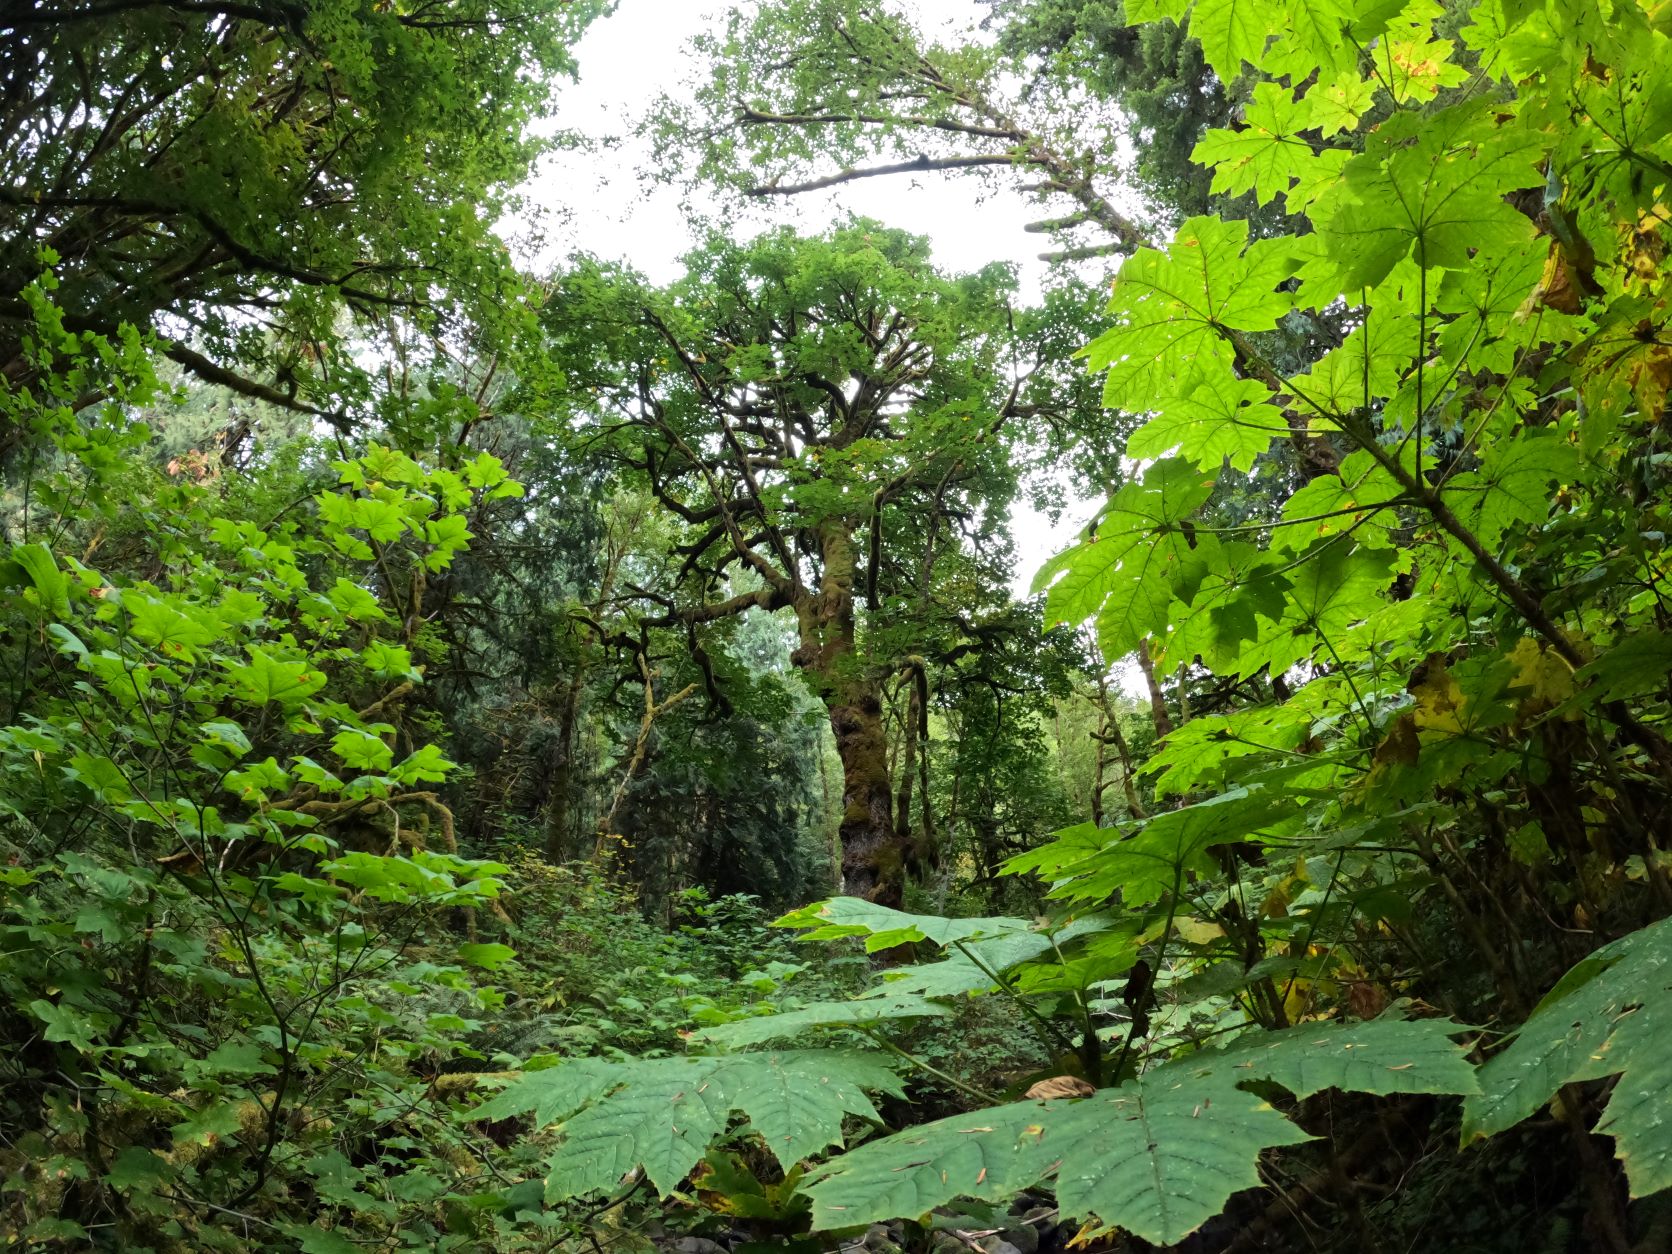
(218, 850)
(1601, 1019)
(276, 164)
(1386, 459)
(1157, 1156)
(659, 1116)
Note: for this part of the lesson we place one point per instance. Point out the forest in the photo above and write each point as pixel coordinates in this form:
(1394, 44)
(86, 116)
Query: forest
(1160, 745)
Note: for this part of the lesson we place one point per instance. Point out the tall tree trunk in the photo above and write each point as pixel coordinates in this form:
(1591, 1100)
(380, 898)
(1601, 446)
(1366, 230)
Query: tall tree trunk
(873, 856)
(1109, 733)
(908, 768)
(559, 805)
(561, 796)
(1158, 703)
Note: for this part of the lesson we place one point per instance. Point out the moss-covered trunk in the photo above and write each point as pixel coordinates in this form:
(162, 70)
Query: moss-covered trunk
(873, 854)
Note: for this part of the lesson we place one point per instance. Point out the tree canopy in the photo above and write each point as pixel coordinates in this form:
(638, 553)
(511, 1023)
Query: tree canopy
(515, 754)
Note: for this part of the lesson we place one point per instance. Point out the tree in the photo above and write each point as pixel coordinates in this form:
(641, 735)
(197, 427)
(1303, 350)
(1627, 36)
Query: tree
(237, 174)
(829, 419)
(1446, 802)
(818, 93)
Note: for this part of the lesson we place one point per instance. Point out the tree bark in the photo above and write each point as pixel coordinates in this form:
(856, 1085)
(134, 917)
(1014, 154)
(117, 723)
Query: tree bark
(1158, 703)
(559, 845)
(873, 854)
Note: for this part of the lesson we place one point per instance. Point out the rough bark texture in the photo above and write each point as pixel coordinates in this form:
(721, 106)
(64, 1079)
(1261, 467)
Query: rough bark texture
(560, 845)
(1158, 703)
(873, 854)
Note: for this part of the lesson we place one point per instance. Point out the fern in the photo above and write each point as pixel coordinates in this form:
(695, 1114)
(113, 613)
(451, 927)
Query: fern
(1157, 1156)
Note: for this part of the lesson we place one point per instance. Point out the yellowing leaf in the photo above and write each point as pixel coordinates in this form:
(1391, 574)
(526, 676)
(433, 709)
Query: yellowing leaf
(1438, 696)
(1542, 674)
(1197, 931)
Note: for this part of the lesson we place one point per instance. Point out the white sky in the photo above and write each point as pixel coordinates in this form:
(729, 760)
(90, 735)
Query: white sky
(607, 208)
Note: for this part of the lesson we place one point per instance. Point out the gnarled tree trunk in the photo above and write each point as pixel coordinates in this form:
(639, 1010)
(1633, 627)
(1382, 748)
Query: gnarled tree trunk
(873, 853)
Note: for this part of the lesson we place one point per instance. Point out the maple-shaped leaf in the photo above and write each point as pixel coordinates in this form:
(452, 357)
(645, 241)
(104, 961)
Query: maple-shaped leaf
(1123, 575)
(1196, 752)
(1367, 366)
(1171, 310)
(660, 1114)
(1624, 93)
(1336, 104)
(1230, 32)
(883, 927)
(1223, 419)
(1360, 497)
(1515, 483)
(1430, 187)
(1610, 1015)
(1487, 303)
(1638, 664)
(1240, 586)
(831, 1014)
(1141, 868)
(1629, 361)
(1337, 587)
(1159, 1155)
(1312, 36)
(1265, 154)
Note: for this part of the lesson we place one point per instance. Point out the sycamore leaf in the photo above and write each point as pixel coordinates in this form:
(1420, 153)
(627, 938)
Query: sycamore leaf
(1515, 483)
(1223, 419)
(1241, 586)
(1350, 499)
(1381, 1056)
(1334, 590)
(267, 677)
(1126, 574)
(661, 1114)
(160, 624)
(884, 927)
(1313, 37)
(1333, 105)
(831, 1014)
(1368, 364)
(1638, 664)
(1141, 868)
(1171, 309)
(1432, 187)
(1266, 154)
(1157, 1156)
(1230, 32)
(969, 967)
(1610, 1016)
(34, 564)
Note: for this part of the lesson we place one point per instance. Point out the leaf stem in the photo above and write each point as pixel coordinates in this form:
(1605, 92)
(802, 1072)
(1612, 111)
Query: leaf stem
(930, 1069)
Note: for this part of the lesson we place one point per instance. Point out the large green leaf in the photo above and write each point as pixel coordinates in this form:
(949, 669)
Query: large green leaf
(1126, 574)
(1431, 187)
(1223, 419)
(1611, 1015)
(661, 1114)
(1230, 32)
(1092, 865)
(1157, 1156)
(884, 927)
(1515, 483)
(1266, 154)
(1171, 311)
(833, 1014)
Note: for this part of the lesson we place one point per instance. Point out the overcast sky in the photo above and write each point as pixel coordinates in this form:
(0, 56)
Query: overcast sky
(644, 49)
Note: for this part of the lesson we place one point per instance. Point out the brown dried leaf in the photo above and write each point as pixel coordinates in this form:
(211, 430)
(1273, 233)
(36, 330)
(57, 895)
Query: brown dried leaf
(1061, 1086)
